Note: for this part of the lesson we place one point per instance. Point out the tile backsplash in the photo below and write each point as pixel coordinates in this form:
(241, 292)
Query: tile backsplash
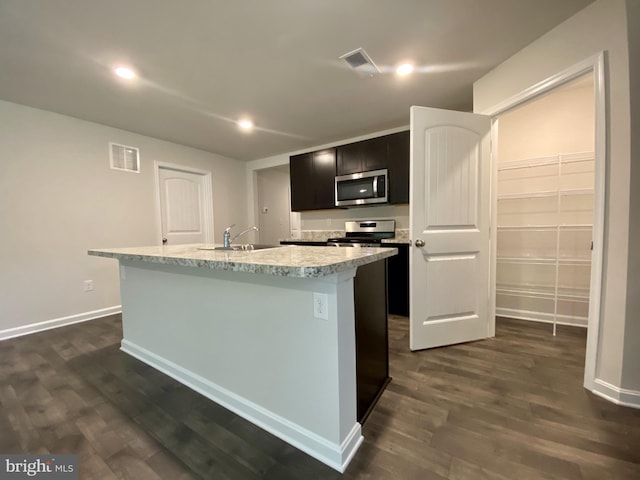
(334, 219)
(322, 224)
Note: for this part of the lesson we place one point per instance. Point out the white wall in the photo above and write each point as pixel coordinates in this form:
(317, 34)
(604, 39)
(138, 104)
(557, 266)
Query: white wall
(561, 121)
(602, 26)
(58, 198)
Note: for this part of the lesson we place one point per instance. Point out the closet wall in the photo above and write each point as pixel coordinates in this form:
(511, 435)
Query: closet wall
(545, 207)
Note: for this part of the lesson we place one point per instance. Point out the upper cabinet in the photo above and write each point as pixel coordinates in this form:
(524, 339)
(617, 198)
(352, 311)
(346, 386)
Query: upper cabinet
(313, 174)
(362, 156)
(398, 165)
(390, 152)
(313, 180)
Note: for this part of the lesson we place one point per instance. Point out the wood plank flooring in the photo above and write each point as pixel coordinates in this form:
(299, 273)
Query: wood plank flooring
(511, 407)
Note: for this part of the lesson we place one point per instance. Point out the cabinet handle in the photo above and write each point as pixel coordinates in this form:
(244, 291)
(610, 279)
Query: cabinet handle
(419, 243)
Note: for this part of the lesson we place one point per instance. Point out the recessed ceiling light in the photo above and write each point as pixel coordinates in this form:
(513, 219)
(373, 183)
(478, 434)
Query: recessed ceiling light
(125, 72)
(404, 69)
(245, 124)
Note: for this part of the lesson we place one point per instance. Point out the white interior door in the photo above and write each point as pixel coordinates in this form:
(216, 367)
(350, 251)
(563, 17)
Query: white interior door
(185, 206)
(449, 227)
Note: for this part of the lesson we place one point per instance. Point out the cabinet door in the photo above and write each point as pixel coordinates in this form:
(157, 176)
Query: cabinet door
(323, 179)
(398, 281)
(313, 180)
(375, 154)
(362, 156)
(398, 165)
(349, 159)
(301, 173)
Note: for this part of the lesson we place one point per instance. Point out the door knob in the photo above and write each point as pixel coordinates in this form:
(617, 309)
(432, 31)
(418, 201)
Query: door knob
(419, 243)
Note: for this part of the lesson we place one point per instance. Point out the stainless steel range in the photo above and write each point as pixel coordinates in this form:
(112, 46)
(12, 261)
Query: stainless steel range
(365, 233)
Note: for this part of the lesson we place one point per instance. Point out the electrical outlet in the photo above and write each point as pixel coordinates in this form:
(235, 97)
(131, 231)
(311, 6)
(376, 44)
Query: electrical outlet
(88, 285)
(321, 306)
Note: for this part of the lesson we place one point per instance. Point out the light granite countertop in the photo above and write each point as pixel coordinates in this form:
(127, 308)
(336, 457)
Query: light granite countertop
(285, 261)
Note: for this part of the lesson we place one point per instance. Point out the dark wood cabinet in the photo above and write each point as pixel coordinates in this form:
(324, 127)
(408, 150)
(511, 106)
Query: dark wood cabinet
(372, 347)
(313, 180)
(398, 166)
(313, 174)
(390, 152)
(398, 280)
(362, 156)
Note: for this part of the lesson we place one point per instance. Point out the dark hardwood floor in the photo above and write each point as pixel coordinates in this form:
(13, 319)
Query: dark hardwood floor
(511, 407)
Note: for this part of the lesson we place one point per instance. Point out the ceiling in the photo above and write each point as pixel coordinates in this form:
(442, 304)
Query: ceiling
(204, 64)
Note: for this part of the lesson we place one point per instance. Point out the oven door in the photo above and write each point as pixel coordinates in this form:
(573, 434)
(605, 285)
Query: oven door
(362, 188)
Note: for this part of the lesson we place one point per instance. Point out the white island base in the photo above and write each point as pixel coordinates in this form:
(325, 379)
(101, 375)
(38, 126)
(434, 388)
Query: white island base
(251, 343)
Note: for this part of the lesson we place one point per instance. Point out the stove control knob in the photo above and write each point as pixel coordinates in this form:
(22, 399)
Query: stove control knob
(419, 243)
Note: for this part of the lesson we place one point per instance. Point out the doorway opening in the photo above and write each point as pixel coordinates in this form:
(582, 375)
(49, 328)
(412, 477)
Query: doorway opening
(545, 190)
(273, 199)
(579, 181)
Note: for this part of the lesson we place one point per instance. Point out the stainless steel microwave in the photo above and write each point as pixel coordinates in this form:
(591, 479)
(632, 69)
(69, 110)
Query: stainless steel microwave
(362, 188)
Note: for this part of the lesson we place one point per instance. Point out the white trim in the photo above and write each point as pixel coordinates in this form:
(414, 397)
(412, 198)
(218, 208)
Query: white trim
(207, 200)
(58, 322)
(598, 233)
(595, 65)
(493, 229)
(337, 456)
(619, 396)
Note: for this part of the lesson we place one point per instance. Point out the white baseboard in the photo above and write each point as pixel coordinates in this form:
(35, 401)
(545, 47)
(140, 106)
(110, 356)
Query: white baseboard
(337, 456)
(58, 322)
(619, 396)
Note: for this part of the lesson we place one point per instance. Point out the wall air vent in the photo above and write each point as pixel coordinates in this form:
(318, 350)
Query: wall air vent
(124, 158)
(361, 62)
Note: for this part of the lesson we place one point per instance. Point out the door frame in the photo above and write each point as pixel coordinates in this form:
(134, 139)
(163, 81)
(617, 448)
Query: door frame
(207, 197)
(596, 66)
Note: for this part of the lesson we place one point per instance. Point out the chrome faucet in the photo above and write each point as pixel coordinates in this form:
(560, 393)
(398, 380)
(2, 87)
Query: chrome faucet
(226, 237)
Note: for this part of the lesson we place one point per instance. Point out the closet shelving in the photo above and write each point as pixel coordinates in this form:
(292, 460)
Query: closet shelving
(545, 211)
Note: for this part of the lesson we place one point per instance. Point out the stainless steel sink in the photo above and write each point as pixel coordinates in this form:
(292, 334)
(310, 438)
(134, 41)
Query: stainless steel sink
(244, 247)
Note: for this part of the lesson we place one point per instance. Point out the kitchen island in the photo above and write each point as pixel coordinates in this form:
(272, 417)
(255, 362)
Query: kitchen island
(269, 334)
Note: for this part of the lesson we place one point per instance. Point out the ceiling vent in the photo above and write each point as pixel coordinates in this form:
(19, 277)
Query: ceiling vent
(361, 62)
(124, 158)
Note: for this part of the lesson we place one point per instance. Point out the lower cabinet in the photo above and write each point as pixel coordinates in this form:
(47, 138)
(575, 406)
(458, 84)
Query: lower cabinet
(372, 340)
(398, 280)
(372, 346)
